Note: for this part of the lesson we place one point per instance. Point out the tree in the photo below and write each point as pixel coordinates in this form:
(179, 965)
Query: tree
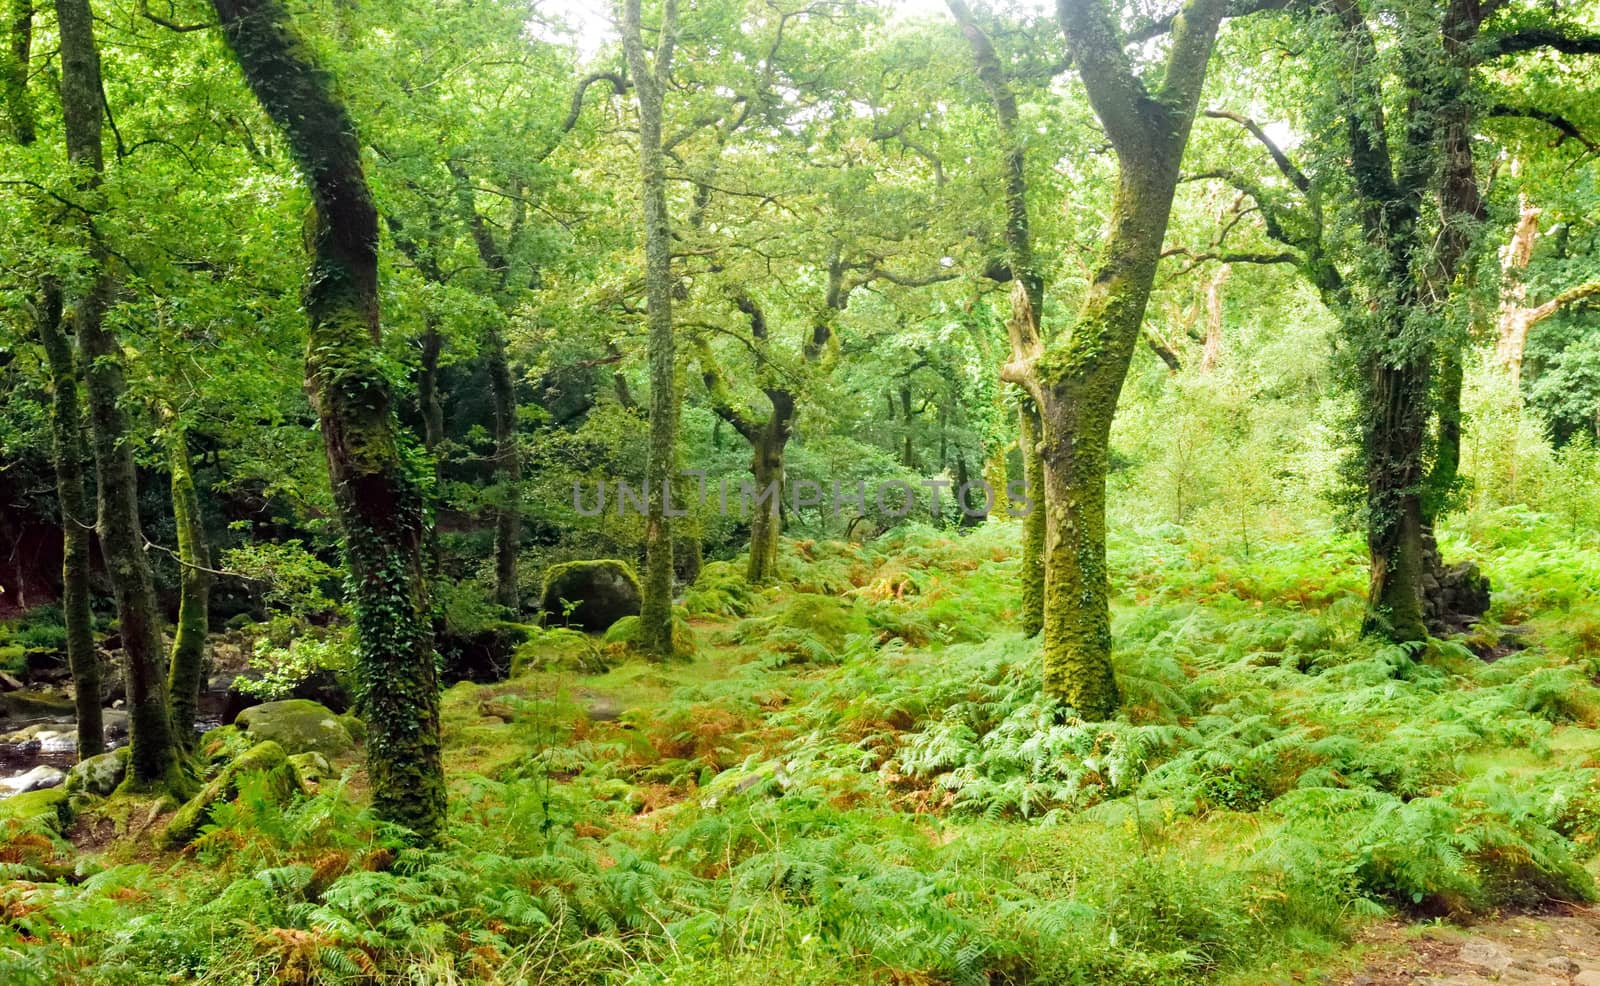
(380, 503)
(1075, 380)
(649, 82)
(152, 761)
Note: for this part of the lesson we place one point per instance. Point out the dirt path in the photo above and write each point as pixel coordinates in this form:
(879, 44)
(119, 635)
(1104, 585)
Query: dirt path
(1556, 949)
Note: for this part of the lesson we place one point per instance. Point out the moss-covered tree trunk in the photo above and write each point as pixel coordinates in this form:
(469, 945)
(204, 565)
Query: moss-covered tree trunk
(766, 467)
(380, 505)
(655, 610)
(1397, 420)
(14, 71)
(1033, 522)
(77, 520)
(1076, 382)
(152, 761)
(186, 669)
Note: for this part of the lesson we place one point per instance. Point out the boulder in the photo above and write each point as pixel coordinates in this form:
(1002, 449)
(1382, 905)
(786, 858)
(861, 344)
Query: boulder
(98, 775)
(298, 725)
(311, 768)
(599, 593)
(223, 744)
(558, 649)
(265, 758)
(50, 802)
(37, 779)
(36, 704)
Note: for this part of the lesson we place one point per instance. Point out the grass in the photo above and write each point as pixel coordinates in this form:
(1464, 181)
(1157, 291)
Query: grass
(858, 780)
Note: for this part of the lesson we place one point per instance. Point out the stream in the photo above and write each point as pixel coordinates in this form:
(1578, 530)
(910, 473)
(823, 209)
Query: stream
(51, 741)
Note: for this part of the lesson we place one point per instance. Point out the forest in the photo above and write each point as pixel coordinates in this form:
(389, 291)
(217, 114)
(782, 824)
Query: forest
(906, 492)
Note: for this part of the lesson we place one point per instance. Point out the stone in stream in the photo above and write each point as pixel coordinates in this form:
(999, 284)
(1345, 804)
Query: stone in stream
(37, 779)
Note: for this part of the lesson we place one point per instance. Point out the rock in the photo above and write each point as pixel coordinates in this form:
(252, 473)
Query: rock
(558, 649)
(357, 728)
(98, 775)
(115, 724)
(312, 768)
(37, 779)
(264, 758)
(223, 743)
(299, 726)
(1562, 965)
(51, 802)
(36, 704)
(10, 683)
(1485, 954)
(481, 655)
(599, 592)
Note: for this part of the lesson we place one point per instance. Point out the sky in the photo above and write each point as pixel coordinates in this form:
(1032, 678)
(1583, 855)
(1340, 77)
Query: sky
(593, 20)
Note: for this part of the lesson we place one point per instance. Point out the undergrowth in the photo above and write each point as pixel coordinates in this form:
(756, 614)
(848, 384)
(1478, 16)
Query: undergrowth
(859, 780)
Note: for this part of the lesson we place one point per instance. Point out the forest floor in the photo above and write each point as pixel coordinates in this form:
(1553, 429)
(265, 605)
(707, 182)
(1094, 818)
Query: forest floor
(858, 780)
(1555, 949)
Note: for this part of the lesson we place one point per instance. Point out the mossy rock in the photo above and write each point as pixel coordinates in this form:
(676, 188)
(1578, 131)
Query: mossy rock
(299, 726)
(623, 635)
(559, 649)
(36, 705)
(311, 768)
(222, 744)
(99, 775)
(826, 619)
(264, 758)
(356, 727)
(51, 802)
(604, 591)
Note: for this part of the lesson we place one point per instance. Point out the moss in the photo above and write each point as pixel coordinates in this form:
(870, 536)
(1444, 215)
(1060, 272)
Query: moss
(298, 725)
(625, 636)
(559, 649)
(1033, 525)
(189, 636)
(51, 802)
(827, 619)
(265, 758)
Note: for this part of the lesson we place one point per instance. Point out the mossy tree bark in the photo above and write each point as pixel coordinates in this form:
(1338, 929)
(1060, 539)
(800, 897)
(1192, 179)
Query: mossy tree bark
(1027, 302)
(152, 761)
(14, 72)
(380, 505)
(77, 520)
(1033, 522)
(1075, 382)
(655, 611)
(66, 428)
(185, 672)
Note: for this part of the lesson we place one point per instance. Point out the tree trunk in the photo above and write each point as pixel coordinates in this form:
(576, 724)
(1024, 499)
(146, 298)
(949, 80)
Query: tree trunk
(379, 504)
(186, 671)
(1033, 524)
(1212, 353)
(77, 519)
(766, 518)
(152, 762)
(14, 72)
(1397, 427)
(655, 611)
(508, 467)
(428, 396)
